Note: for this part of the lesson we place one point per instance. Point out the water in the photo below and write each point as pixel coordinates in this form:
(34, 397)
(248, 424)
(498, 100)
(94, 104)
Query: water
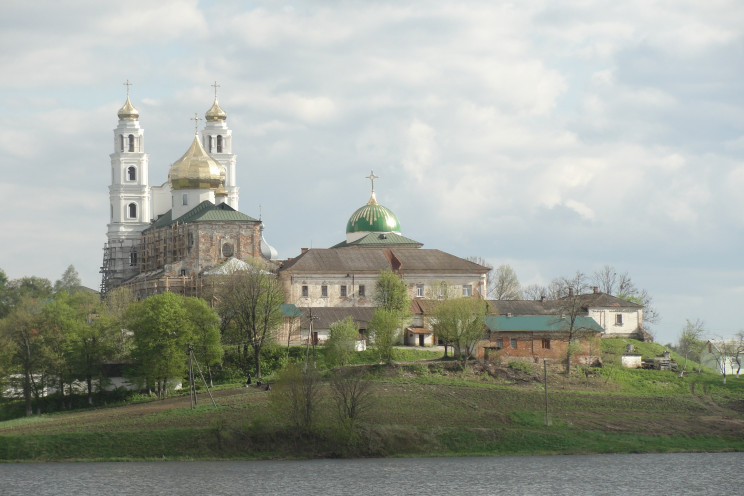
(662, 474)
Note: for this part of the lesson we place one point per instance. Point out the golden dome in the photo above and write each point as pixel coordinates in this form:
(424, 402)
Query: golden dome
(128, 112)
(215, 113)
(220, 192)
(196, 170)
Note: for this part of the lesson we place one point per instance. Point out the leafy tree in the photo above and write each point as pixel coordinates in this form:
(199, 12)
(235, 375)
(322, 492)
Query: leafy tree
(391, 293)
(206, 343)
(690, 340)
(162, 332)
(296, 394)
(251, 302)
(505, 285)
(342, 338)
(5, 298)
(459, 323)
(384, 329)
(70, 281)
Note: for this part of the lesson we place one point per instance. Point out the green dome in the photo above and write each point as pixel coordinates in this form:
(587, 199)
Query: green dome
(373, 217)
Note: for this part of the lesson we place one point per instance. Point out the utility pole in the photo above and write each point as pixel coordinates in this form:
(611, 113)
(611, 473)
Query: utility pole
(309, 337)
(545, 377)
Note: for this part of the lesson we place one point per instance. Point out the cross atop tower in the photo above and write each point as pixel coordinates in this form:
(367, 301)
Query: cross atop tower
(372, 178)
(215, 86)
(196, 120)
(127, 84)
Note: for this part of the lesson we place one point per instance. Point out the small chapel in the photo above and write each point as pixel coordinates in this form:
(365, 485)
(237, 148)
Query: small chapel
(167, 237)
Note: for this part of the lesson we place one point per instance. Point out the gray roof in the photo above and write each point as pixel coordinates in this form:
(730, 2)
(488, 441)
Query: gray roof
(381, 239)
(325, 316)
(548, 307)
(206, 211)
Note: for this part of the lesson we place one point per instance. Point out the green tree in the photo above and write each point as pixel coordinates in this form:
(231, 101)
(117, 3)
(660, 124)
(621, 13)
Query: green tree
(296, 394)
(391, 293)
(206, 333)
(352, 392)
(384, 329)
(459, 322)
(162, 332)
(690, 341)
(341, 342)
(250, 302)
(70, 281)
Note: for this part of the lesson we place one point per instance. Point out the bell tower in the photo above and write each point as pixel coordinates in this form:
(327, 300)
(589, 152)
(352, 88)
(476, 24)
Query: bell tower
(217, 141)
(129, 198)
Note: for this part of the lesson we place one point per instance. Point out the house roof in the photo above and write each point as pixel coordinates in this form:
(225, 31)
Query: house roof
(290, 310)
(523, 307)
(603, 300)
(550, 307)
(323, 317)
(353, 259)
(206, 211)
(376, 239)
(540, 323)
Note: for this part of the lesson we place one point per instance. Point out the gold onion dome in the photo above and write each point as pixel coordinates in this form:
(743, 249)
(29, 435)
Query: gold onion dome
(215, 113)
(196, 170)
(220, 192)
(128, 112)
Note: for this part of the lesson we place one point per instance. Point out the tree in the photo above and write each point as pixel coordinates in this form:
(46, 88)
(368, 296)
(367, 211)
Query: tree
(251, 302)
(570, 308)
(459, 323)
(384, 329)
(70, 281)
(341, 342)
(162, 332)
(296, 394)
(352, 392)
(505, 284)
(391, 293)
(206, 333)
(609, 281)
(690, 340)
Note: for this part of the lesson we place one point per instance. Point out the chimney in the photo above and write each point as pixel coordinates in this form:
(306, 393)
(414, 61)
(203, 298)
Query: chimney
(570, 291)
(303, 250)
(596, 289)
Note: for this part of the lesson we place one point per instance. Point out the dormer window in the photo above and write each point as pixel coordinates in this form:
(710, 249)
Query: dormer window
(132, 174)
(131, 142)
(219, 144)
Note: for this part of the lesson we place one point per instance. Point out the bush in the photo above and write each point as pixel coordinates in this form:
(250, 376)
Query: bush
(527, 368)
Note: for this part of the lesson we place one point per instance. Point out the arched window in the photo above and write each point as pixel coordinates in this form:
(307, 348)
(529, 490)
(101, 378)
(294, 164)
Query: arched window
(185, 199)
(132, 210)
(112, 211)
(219, 144)
(121, 142)
(132, 174)
(210, 144)
(131, 142)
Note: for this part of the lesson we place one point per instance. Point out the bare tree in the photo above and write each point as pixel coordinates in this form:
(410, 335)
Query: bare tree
(533, 292)
(570, 308)
(505, 284)
(690, 340)
(296, 394)
(352, 391)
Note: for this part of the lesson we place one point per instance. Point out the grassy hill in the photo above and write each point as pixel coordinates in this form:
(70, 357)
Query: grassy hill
(418, 407)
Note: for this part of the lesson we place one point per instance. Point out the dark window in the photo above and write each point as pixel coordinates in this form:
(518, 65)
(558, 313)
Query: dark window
(343, 291)
(185, 199)
(121, 142)
(361, 290)
(546, 344)
(210, 144)
(132, 210)
(304, 291)
(513, 343)
(324, 291)
(499, 343)
(133, 258)
(618, 319)
(219, 144)
(131, 142)
(132, 174)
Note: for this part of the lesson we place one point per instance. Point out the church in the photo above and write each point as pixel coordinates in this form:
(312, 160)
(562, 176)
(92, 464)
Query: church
(167, 237)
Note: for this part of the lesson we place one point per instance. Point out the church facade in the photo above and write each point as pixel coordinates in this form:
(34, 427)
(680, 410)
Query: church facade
(164, 238)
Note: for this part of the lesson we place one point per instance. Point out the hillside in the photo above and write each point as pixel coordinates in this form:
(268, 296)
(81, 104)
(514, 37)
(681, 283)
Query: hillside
(427, 407)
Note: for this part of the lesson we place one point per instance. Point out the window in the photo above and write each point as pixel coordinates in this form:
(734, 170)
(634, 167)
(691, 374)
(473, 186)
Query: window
(467, 290)
(546, 344)
(618, 319)
(121, 142)
(210, 144)
(132, 174)
(185, 198)
(132, 210)
(324, 291)
(343, 291)
(133, 258)
(131, 142)
(419, 290)
(219, 144)
(304, 291)
(499, 343)
(361, 290)
(513, 343)
(183, 272)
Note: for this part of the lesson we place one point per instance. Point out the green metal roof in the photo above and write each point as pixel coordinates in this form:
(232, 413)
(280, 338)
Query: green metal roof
(206, 211)
(290, 310)
(381, 239)
(373, 217)
(553, 323)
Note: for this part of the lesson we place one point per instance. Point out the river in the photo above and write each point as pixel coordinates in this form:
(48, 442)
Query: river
(659, 474)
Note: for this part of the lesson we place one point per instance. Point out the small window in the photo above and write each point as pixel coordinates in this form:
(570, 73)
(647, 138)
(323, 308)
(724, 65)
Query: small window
(131, 142)
(618, 319)
(304, 291)
(546, 344)
(499, 343)
(132, 174)
(121, 142)
(133, 258)
(361, 290)
(324, 291)
(343, 291)
(219, 144)
(185, 198)
(227, 250)
(467, 290)
(132, 210)
(210, 144)
(419, 290)
(513, 343)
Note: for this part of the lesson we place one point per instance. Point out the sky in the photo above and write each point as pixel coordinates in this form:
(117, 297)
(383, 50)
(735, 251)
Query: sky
(554, 137)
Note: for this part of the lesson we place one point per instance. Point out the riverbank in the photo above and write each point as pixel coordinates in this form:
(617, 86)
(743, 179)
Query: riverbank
(421, 409)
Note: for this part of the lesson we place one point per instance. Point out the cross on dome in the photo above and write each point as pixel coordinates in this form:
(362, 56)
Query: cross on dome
(127, 84)
(196, 120)
(215, 86)
(372, 178)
